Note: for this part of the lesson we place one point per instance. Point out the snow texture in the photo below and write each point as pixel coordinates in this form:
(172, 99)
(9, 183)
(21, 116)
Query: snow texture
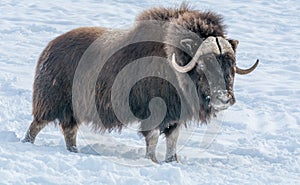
(257, 141)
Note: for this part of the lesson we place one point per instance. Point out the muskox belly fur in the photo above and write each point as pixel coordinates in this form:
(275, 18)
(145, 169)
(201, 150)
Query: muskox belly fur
(53, 90)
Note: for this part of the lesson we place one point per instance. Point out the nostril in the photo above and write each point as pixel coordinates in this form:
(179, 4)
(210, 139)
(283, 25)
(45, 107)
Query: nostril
(225, 99)
(229, 100)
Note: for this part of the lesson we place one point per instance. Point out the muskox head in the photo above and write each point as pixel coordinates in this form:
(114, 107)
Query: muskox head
(204, 53)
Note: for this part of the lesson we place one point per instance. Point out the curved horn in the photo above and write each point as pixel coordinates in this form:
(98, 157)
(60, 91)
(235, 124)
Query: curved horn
(183, 69)
(246, 71)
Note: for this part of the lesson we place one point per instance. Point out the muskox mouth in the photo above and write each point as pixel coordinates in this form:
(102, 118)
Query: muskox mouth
(220, 106)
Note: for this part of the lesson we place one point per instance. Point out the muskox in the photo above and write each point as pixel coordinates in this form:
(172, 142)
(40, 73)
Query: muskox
(76, 72)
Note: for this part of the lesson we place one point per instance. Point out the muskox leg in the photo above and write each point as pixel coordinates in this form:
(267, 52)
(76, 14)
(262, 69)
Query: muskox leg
(34, 128)
(151, 138)
(172, 134)
(70, 133)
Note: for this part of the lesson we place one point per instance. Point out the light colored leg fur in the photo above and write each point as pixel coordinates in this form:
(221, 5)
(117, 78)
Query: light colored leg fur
(70, 134)
(171, 141)
(151, 143)
(33, 131)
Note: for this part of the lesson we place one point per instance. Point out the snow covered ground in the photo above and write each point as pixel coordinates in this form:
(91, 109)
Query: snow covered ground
(257, 140)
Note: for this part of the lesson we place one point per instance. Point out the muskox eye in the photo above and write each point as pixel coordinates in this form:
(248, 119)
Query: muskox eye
(227, 78)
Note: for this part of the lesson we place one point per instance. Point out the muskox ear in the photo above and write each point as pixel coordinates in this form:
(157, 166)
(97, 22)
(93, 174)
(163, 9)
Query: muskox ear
(234, 43)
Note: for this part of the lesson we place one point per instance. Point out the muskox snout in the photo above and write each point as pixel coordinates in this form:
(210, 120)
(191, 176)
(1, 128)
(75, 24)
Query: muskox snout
(225, 98)
(222, 99)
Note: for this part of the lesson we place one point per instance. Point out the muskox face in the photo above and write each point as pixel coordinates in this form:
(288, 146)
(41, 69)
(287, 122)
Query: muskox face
(211, 65)
(209, 61)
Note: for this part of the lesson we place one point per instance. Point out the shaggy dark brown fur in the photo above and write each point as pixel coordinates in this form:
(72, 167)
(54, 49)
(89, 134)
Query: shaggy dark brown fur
(54, 74)
(52, 91)
(164, 14)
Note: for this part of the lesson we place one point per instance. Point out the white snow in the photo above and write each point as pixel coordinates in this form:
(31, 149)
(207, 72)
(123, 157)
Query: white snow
(257, 141)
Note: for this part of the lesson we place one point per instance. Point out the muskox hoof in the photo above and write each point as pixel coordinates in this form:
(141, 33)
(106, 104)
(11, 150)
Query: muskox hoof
(28, 139)
(73, 149)
(154, 160)
(172, 158)
(152, 157)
